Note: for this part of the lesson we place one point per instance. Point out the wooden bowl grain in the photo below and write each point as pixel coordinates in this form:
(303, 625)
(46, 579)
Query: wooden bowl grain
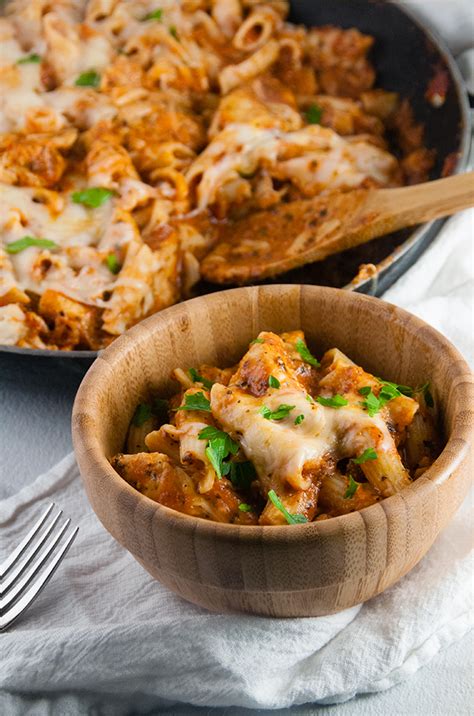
(302, 570)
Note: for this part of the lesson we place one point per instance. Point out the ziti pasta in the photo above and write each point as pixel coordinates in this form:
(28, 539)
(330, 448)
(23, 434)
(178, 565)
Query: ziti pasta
(129, 129)
(281, 438)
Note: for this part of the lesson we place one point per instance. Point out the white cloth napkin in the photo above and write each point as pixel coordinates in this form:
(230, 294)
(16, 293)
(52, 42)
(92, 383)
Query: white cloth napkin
(104, 630)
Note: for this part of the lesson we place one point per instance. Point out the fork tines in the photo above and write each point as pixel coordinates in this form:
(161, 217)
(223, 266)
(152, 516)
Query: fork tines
(32, 564)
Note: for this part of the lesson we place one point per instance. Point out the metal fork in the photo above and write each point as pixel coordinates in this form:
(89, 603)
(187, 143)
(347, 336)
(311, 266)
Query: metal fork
(31, 565)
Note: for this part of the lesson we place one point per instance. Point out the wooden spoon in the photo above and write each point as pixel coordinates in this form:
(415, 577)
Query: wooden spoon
(271, 242)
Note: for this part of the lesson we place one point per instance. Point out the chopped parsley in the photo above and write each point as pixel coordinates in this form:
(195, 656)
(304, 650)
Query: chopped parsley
(243, 507)
(313, 114)
(113, 263)
(24, 243)
(351, 488)
(368, 454)
(88, 79)
(155, 15)
(174, 32)
(93, 197)
(142, 414)
(291, 519)
(396, 389)
(281, 412)
(144, 411)
(337, 401)
(160, 408)
(33, 59)
(389, 391)
(273, 382)
(198, 378)
(196, 401)
(220, 446)
(299, 419)
(256, 340)
(371, 403)
(306, 354)
(425, 389)
(242, 474)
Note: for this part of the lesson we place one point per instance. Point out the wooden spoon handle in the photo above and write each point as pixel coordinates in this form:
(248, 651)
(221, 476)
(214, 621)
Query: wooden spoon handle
(412, 205)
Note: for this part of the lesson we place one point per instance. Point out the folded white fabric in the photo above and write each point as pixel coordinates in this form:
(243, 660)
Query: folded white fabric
(103, 630)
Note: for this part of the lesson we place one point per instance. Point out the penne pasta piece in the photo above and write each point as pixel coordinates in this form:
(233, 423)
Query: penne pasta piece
(136, 438)
(256, 29)
(337, 498)
(227, 15)
(387, 473)
(234, 75)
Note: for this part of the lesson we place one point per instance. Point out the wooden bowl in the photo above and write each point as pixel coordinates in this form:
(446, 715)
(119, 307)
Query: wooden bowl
(302, 570)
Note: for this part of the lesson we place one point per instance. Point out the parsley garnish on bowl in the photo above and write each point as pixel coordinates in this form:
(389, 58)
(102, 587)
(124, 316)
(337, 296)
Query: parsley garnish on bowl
(292, 519)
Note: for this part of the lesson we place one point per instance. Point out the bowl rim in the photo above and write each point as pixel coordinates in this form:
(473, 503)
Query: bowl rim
(457, 447)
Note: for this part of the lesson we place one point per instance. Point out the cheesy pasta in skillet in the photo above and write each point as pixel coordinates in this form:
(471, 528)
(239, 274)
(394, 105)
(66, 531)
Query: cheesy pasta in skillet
(281, 438)
(130, 129)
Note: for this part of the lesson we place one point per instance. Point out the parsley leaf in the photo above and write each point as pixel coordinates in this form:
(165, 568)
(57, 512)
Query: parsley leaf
(93, 197)
(219, 448)
(243, 507)
(306, 354)
(291, 519)
(372, 404)
(351, 488)
(368, 454)
(88, 79)
(211, 433)
(299, 419)
(396, 389)
(142, 414)
(24, 243)
(337, 401)
(33, 58)
(198, 378)
(282, 411)
(425, 389)
(256, 340)
(196, 401)
(155, 15)
(160, 408)
(314, 114)
(273, 382)
(242, 474)
(174, 32)
(113, 263)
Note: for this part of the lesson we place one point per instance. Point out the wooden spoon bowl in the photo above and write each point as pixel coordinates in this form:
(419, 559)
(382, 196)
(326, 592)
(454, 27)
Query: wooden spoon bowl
(302, 570)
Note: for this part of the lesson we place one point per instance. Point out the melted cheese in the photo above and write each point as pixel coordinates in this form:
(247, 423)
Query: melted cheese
(12, 324)
(280, 449)
(71, 226)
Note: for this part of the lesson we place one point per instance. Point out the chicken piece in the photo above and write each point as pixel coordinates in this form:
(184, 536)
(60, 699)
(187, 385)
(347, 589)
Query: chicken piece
(344, 116)
(30, 162)
(75, 325)
(266, 102)
(155, 476)
(340, 60)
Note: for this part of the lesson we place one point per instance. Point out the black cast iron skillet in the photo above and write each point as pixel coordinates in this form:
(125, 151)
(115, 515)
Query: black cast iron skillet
(406, 56)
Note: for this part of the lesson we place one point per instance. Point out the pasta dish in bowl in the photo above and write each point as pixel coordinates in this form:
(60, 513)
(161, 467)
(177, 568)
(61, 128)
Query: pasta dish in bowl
(129, 131)
(280, 438)
(260, 487)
